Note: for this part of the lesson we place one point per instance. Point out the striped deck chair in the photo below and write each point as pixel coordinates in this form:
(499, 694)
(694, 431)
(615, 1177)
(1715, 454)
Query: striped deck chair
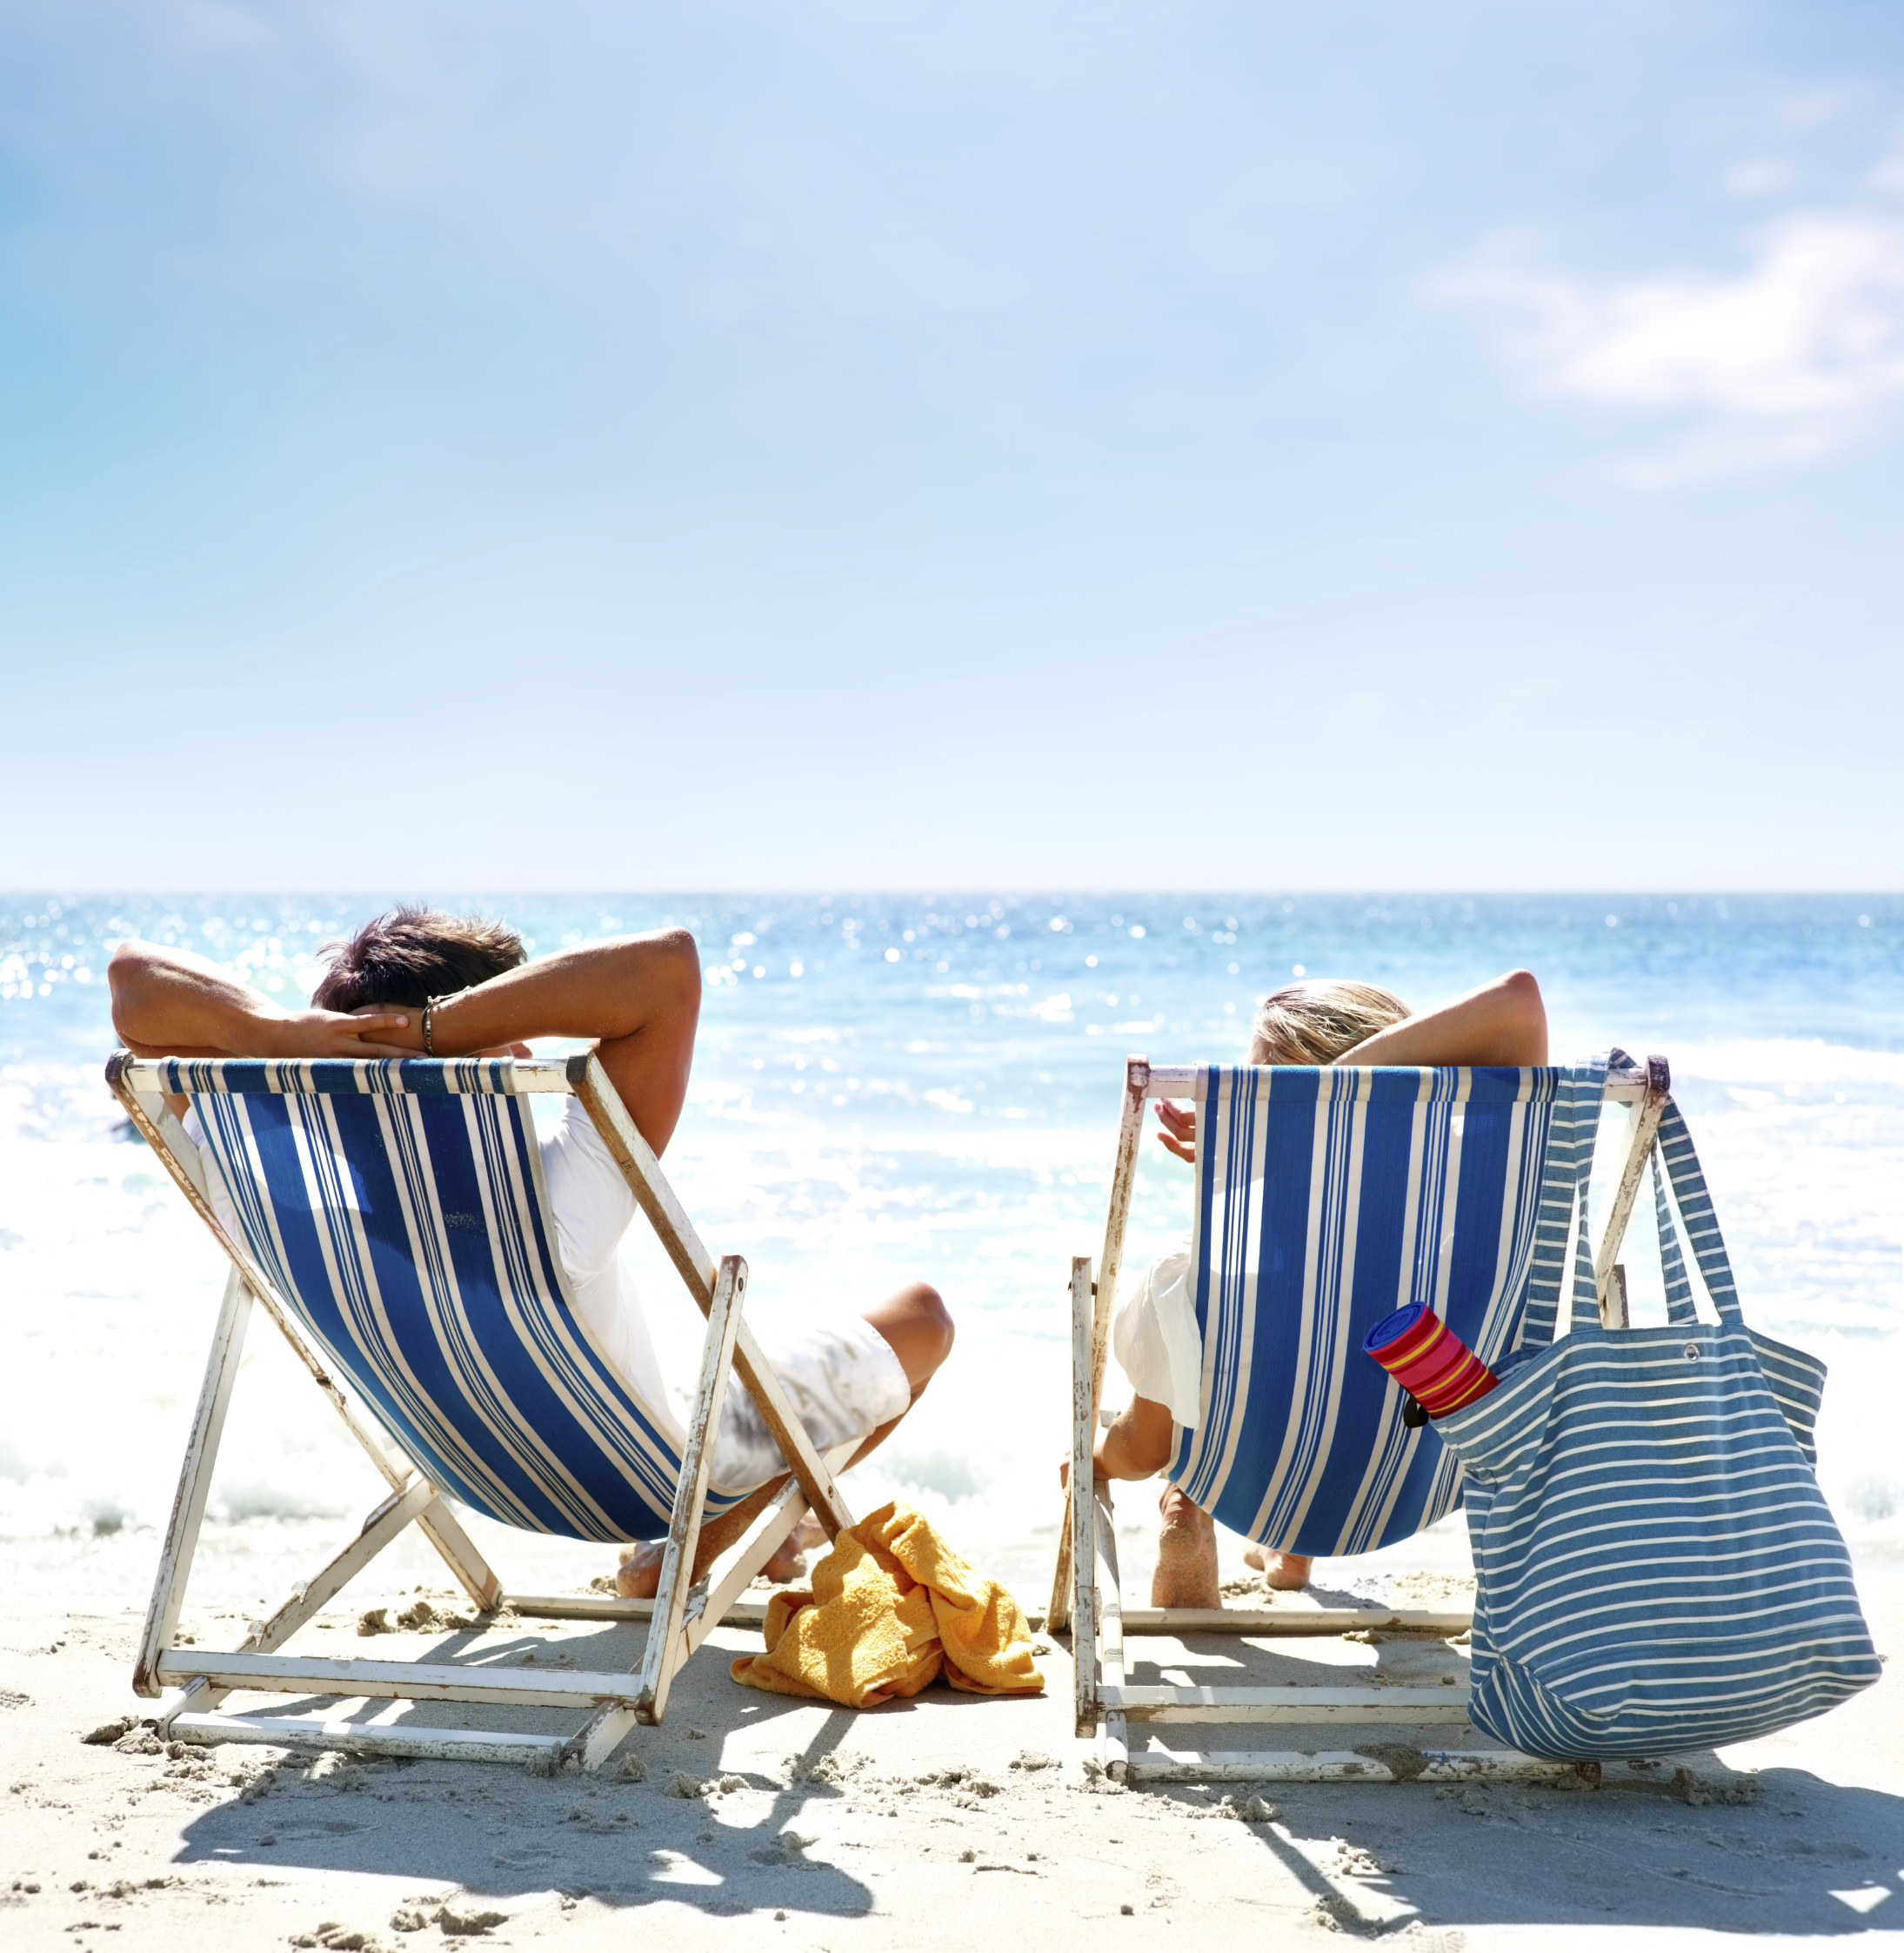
(1324, 1199)
(394, 1224)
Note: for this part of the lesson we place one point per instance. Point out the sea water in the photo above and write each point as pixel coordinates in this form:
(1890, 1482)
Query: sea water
(891, 1087)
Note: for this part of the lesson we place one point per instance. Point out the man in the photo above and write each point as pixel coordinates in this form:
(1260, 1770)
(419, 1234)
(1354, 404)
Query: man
(464, 986)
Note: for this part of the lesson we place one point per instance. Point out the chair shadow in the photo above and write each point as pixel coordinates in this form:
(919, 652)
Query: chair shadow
(500, 1832)
(1684, 1842)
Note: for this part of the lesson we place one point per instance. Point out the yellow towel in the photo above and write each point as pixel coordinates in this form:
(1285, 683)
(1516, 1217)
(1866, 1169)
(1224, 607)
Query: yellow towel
(892, 1606)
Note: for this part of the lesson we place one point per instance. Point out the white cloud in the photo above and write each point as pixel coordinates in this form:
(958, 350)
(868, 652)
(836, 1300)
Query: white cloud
(1795, 359)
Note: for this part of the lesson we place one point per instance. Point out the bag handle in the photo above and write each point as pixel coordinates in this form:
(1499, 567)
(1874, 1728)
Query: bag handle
(1674, 1148)
(1563, 1186)
(1679, 1311)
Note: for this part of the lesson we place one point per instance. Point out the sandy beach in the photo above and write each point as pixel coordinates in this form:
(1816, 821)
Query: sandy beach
(948, 1821)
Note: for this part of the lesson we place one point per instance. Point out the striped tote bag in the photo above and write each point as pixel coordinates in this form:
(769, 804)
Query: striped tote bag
(1656, 1568)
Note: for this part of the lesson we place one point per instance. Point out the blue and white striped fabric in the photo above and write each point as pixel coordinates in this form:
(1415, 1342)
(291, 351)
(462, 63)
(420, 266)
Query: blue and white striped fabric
(397, 1208)
(1657, 1570)
(1326, 1199)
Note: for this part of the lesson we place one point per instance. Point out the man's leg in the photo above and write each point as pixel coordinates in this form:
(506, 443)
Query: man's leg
(918, 1329)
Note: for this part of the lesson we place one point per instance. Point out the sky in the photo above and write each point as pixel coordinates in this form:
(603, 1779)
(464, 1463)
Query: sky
(1401, 444)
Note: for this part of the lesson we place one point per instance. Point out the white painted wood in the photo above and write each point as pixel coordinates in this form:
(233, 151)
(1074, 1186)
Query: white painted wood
(522, 1074)
(527, 1687)
(194, 1483)
(1188, 1081)
(308, 1597)
(1110, 1267)
(659, 1657)
(1642, 1128)
(639, 1167)
(1338, 1766)
(172, 1129)
(823, 1494)
(647, 1182)
(752, 1552)
(1615, 1308)
(1144, 1703)
(1114, 1745)
(321, 1731)
(1274, 1622)
(1084, 1556)
(722, 1599)
(748, 1610)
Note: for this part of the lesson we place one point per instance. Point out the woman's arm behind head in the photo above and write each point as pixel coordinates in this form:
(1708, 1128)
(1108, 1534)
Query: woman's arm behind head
(1501, 1023)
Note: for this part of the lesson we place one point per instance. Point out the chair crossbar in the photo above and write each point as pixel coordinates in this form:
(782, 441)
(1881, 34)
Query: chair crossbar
(1276, 1623)
(1379, 1764)
(1626, 1088)
(321, 1730)
(1294, 1705)
(443, 1681)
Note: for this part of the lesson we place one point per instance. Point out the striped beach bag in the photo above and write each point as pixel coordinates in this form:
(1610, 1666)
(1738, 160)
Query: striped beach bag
(1656, 1568)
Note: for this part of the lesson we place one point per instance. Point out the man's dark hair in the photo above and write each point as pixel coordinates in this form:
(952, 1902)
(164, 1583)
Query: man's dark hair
(410, 954)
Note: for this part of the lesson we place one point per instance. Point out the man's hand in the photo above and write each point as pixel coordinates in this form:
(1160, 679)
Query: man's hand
(305, 1033)
(407, 1026)
(1180, 1133)
(376, 1032)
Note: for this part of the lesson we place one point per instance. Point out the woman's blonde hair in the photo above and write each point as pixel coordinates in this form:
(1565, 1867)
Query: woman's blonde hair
(1315, 1023)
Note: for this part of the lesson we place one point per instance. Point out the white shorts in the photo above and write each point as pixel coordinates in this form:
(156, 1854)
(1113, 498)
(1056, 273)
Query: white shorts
(842, 1375)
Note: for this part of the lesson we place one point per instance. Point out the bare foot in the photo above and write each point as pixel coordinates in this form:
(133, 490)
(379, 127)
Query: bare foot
(1286, 1572)
(787, 1564)
(1186, 1555)
(639, 1576)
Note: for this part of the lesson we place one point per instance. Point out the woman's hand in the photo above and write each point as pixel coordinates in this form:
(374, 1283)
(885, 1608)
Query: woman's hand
(1180, 1133)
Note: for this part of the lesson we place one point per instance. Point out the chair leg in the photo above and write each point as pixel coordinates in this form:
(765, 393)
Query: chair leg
(310, 1596)
(661, 1656)
(604, 1733)
(194, 1483)
(1115, 1751)
(1642, 1129)
(1084, 1504)
(1137, 1072)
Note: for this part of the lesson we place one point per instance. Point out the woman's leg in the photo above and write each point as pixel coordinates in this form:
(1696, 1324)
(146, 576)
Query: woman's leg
(1186, 1555)
(1286, 1572)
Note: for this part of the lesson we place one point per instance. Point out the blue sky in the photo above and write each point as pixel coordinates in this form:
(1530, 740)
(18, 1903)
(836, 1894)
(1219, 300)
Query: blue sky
(1407, 446)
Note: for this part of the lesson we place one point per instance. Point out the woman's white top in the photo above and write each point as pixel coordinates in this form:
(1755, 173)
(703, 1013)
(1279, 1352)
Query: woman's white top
(1155, 1337)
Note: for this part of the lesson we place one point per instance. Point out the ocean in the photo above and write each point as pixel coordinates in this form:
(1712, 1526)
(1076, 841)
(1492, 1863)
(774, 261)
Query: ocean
(897, 1087)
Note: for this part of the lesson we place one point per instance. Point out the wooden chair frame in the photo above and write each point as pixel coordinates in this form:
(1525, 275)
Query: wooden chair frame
(194, 1681)
(1087, 1593)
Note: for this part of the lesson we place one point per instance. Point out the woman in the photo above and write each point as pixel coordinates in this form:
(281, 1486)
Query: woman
(1155, 1337)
